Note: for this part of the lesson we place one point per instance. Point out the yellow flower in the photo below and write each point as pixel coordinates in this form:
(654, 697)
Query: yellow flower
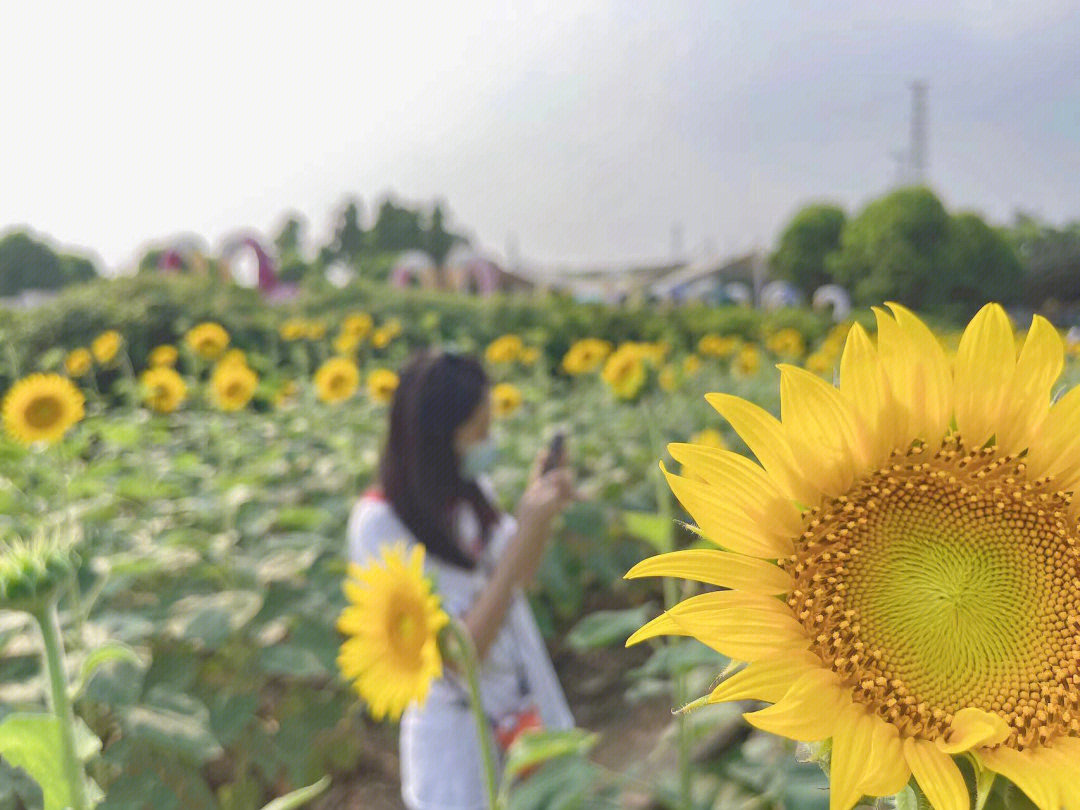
(502, 350)
(346, 342)
(293, 329)
(233, 356)
(337, 379)
(392, 622)
(381, 337)
(821, 362)
(105, 346)
(315, 330)
(41, 408)
(529, 355)
(164, 355)
(232, 385)
(381, 385)
(164, 389)
(586, 356)
(625, 371)
(691, 365)
(746, 362)
(718, 345)
(505, 399)
(787, 343)
(357, 324)
(903, 563)
(208, 340)
(668, 379)
(709, 437)
(78, 362)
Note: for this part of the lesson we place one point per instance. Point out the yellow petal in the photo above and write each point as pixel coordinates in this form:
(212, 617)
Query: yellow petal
(724, 522)
(890, 771)
(721, 568)
(864, 385)
(808, 711)
(765, 437)
(985, 363)
(974, 728)
(744, 482)
(938, 776)
(852, 757)
(1056, 450)
(932, 372)
(1025, 770)
(739, 625)
(766, 679)
(1039, 365)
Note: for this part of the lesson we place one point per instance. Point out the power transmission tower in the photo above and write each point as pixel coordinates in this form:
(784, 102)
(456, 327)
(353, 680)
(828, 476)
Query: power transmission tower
(917, 155)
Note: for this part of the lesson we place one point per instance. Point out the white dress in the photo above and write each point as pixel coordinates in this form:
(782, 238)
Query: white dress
(441, 768)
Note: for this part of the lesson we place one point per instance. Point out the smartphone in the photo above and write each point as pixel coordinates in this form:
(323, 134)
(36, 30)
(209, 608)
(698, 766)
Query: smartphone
(555, 452)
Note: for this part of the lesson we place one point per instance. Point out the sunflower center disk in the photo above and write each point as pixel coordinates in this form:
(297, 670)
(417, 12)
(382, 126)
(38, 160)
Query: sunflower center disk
(945, 580)
(43, 412)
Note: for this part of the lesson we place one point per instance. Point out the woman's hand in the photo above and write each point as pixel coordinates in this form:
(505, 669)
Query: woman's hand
(543, 499)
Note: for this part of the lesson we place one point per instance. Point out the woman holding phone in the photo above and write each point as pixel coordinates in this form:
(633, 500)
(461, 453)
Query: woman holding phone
(433, 490)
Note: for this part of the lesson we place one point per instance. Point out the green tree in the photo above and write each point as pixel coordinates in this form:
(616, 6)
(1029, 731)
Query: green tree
(397, 228)
(895, 249)
(437, 240)
(1050, 256)
(349, 238)
(982, 265)
(27, 263)
(811, 235)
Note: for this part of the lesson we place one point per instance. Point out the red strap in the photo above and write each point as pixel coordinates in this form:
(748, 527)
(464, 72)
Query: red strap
(374, 493)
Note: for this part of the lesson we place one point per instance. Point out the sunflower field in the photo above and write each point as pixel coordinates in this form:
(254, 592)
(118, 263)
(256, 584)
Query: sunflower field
(199, 452)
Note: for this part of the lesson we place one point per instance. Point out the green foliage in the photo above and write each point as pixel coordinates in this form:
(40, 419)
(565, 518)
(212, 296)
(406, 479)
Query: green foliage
(805, 243)
(1051, 259)
(31, 742)
(27, 263)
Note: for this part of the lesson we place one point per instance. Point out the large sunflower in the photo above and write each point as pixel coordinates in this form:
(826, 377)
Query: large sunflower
(392, 622)
(232, 385)
(337, 379)
(903, 562)
(163, 389)
(42, 408)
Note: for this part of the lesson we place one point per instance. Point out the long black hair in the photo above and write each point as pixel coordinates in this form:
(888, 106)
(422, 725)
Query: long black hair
(420, 471)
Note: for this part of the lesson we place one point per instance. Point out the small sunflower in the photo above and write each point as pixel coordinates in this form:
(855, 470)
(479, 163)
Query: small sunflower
(233, 356)
(232, 386)
(503, 350)
(381, 337)
(42, 408)
(293, 329)
(714, 345)
(529, 355)
(902, 563)
(625, 372)
(163, 388)
(747, 362)
(357, 324)
(787, 343)
(105, 346)
(208, 340)
(78, 362)
(586, 356)
(381, 385)
(691, 365)
(337, 379)
(164, 355)
(315, 330)
(821, 362)
(345, 343)
(391, 653)
(668, 378)
(505, 399)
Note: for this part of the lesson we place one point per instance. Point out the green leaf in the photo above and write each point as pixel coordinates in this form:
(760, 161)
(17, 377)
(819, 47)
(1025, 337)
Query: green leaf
(653, 528)
(108, 653)
(298, 798)
(536, 747)
(606, 627)
(31, 742)
(210, 619)
(172, 731)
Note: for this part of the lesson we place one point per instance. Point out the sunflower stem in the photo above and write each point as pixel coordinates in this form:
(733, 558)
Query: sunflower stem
(49, 622)
(466, 658)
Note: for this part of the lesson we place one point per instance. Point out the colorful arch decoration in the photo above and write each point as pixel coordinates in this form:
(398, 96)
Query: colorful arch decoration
(268, 283)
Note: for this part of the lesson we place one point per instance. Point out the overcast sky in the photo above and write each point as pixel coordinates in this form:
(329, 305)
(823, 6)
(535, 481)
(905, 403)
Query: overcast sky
(585, 128)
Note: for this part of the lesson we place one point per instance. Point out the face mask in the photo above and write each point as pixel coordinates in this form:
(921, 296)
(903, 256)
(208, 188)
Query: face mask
(479, 458)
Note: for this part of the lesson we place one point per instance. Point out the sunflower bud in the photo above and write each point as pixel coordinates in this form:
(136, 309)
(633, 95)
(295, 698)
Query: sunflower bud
(32, 574)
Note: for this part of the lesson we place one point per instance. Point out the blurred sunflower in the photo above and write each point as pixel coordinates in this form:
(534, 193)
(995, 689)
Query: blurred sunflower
(105, 346)
(392, 622)
(505, 399)
(381, 337)
(357, 324)
(164, 355)
(163, 388)
(208, 340)
(346, 342)
(78, 362)
(919, 527)
(381, 385)
(529, 355)
(714, 345)
(41, 408)
(821, 362)
(585, 356)
(392, 327)
(747, 362)
(315, 330)
(668, 378)
(787, 343)
(337, 379)
(709, 437)
(503, 350)
(293, 329)
(625, 372)
(691, 365)
(232, 385)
